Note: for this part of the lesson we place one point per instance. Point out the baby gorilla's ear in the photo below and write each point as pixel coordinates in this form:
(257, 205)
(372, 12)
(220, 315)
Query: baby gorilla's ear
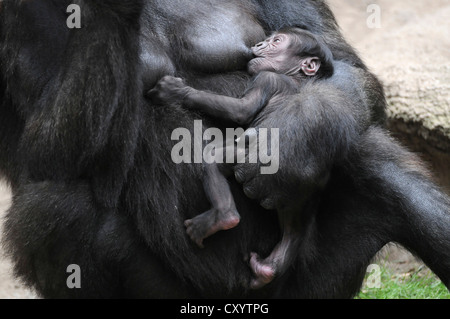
(310, 66)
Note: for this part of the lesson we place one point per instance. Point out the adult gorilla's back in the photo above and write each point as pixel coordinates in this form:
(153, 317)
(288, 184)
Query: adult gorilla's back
(88, 158)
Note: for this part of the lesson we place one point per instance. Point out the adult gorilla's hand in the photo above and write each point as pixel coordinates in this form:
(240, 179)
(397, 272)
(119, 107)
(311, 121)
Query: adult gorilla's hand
(267, 189)
(255, 186)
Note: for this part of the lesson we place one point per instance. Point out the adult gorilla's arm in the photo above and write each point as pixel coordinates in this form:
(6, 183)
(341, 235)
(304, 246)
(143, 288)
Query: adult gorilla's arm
(90, 87)
(382, 196)
(412, 209)
(87, 88)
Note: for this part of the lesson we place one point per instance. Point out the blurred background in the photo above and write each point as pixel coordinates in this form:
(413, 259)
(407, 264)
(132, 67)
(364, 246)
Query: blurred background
(409, 51)
(407, 45)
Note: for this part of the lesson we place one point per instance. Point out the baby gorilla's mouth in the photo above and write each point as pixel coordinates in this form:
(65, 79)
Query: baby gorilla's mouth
(257, 58)
(256, 52)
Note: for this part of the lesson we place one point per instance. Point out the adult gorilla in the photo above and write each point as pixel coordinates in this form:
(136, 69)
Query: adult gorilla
(88, 158)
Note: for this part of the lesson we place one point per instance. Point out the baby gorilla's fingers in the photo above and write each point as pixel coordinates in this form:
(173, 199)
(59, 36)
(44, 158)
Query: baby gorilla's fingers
(169, 81)
(168, 89)
(154, 95)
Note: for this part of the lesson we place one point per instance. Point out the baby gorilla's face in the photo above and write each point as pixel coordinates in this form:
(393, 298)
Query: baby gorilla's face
(273, 54)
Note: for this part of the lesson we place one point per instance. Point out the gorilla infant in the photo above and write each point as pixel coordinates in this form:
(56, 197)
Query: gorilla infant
(282, 66)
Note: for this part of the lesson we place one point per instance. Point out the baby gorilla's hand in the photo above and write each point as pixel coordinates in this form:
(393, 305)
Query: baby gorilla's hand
(169, 89)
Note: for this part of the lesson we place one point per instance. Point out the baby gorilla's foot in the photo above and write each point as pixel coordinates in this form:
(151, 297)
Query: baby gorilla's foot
(264, 271)
(209, 223)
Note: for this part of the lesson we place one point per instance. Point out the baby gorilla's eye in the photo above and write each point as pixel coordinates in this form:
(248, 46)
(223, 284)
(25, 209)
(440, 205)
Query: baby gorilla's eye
(277, 40)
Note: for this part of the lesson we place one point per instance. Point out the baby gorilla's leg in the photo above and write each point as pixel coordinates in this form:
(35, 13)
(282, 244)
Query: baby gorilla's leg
(222, 216)
(280, 258)
(209, 223)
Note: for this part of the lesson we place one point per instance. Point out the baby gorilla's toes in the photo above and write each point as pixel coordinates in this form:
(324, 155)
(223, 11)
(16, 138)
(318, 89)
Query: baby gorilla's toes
(264, 273)
(209, 223)
(195, 231)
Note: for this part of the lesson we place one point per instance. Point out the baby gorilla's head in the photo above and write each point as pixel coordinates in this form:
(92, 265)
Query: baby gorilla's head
(292, 51)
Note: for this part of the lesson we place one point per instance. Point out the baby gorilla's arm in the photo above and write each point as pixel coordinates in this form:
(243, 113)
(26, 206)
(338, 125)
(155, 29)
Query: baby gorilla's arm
(240, 111)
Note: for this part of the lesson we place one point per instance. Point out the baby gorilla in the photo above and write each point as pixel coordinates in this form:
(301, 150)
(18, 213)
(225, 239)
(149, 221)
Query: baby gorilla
(283, 63)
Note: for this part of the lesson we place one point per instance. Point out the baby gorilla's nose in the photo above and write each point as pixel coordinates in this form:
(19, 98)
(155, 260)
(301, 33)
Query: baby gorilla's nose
(260, 45)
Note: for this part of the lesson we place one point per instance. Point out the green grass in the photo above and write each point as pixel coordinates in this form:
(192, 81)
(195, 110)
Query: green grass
(418, 284)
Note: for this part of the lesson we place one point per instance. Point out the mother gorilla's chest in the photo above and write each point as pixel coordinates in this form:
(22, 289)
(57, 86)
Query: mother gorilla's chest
(211, 36)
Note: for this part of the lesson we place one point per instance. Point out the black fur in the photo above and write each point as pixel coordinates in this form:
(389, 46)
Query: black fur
(88, 159)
